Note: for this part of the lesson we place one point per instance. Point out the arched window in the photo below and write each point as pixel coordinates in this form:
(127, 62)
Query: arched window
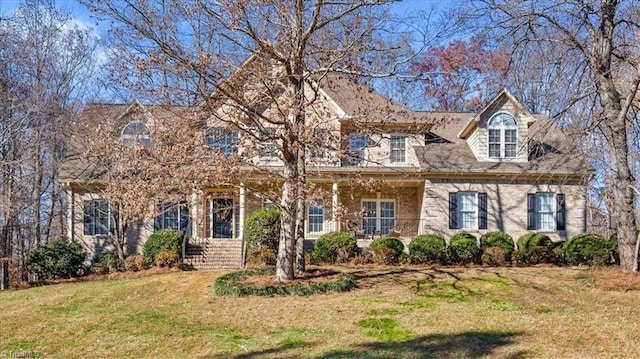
(503, 136)
(136, 134)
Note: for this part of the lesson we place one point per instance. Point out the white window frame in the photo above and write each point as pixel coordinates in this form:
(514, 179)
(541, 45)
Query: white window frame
(223, 140)
(502, 135)
(540, 212)
(461, 212)
(377, 217)
(172, 212)
(357, 142)
(140, 136)
(394, 152)
(315, 226)
(267, 148)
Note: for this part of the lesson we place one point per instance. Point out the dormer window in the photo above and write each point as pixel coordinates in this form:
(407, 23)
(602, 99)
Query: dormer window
(136, 134)
(502, 136)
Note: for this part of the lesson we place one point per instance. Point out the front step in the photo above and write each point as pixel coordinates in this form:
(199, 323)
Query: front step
(214, 253)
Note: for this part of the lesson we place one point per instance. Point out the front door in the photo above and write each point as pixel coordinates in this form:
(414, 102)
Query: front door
(220, 218)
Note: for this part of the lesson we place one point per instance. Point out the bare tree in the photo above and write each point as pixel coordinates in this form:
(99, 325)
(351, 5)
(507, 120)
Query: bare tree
(45, 61)
(591, 50)
(273, 96)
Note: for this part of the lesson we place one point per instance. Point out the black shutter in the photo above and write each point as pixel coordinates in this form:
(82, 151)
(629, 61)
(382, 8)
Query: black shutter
(453, 210)
(482, 211)
(89, 218)
(531, 211)
(561, 209)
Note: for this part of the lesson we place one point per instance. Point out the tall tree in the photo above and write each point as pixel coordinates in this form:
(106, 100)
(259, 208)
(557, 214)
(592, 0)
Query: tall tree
(45, 61)
(461, 75)
(291, 45)
(593, 44)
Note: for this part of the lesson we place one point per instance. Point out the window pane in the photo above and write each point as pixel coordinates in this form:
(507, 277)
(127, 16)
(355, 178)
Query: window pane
(545, 210)
(398, 153)
(223, 140)
(315, 216)
(136, 134)
(468, 210)
(357, 143)
(267, 147)
(369, 217)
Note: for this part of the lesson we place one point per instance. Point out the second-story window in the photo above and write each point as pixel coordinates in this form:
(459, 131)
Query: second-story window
(398, 148)
(136, 134)
(320, 143)
(223, 140)
(267, 147)
(357, 144)
(502, 133)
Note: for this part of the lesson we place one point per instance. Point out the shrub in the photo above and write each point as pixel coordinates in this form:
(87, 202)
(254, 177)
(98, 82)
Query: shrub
(110, 262)
(364, 257)
(613, 244)
(540, 254)
(134, 263)
(428, 248)
(167, 258)
(386, 250)
(498, 239)
(463, 235)
(494, 256)
(331, 245)
(58, 259)
(519, 258)
(262, 231)
(589, 249)
(261, 255)
(530, 240)
(463, 249)
(164, 239)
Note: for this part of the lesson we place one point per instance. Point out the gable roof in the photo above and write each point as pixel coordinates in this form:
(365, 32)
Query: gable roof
(549, 153)
(475, 119)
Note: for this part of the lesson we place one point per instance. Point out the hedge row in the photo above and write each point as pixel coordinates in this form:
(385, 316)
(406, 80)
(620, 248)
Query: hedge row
(495, 249)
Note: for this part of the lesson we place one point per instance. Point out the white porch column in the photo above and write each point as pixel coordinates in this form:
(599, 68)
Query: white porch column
(334, 206)
(70, 212)
(242, 211)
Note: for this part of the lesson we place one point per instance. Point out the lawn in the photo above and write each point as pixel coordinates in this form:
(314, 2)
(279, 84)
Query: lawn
(395, 312)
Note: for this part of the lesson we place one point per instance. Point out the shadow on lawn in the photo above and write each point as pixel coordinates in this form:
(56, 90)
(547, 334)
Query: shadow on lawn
(462, 345)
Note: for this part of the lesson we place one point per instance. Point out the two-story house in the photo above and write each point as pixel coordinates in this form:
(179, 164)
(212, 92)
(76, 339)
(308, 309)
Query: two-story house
(395, 172)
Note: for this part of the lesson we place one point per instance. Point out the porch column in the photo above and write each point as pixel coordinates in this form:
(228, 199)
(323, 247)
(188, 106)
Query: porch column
(242, 211)
(334, 206)
(70, 212)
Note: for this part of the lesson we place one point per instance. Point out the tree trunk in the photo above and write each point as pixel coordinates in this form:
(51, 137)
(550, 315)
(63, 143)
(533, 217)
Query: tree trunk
(623, 199)
(300, 213)
(288, 205)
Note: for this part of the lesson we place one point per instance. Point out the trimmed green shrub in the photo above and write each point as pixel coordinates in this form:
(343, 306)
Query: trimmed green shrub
(519, 258)
(110, 262)
(540, 254)
(58, 259)
(463, 249)
(530, 240)
(498, 239)
(231, 284)
(164, 239)
(262, 229)
(386, 250)
(588, 248)
(429, 248)
(494, 256)
(463, 235)
(331, 246)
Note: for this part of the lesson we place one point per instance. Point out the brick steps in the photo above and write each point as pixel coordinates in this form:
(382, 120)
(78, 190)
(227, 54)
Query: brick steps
(214, 253)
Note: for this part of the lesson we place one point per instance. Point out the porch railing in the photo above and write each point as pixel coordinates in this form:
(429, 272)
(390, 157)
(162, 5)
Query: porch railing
(361, 227)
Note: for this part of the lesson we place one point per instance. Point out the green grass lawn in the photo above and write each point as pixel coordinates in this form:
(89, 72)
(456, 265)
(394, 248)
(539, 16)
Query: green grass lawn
(396, 312)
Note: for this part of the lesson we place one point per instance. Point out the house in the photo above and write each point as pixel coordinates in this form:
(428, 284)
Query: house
(500, 169)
